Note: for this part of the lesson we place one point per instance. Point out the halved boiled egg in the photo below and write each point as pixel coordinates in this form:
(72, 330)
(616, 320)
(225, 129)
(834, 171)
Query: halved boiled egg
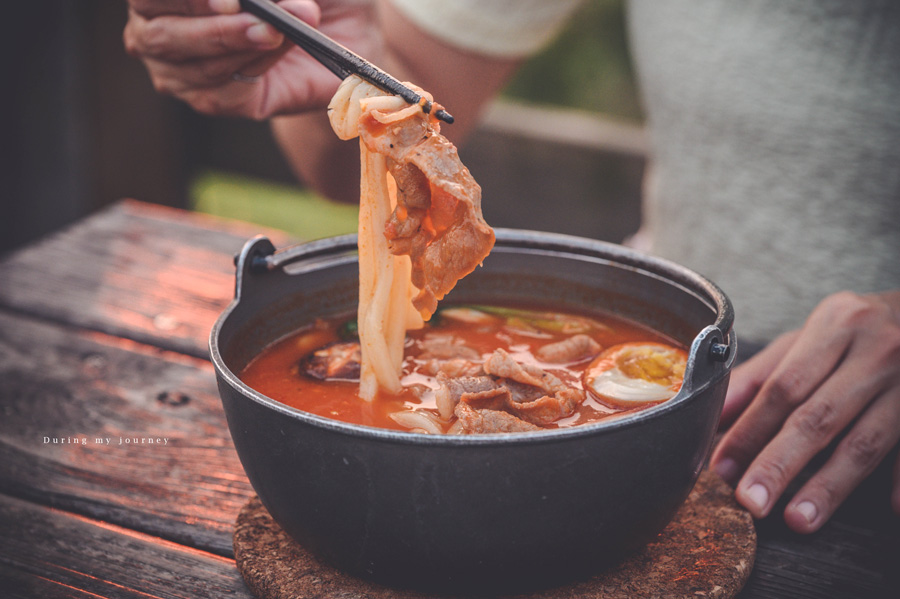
(631, 374)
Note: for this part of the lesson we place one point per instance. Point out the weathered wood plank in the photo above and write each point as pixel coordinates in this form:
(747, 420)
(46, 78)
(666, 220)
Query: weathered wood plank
(160, 277)
(855, 554)
(157, 275)
(76, 387)
(49, 553)
(839, 562)
(69, 383)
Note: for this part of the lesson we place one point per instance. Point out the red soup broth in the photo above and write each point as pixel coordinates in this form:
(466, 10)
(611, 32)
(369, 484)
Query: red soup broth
(277, 373)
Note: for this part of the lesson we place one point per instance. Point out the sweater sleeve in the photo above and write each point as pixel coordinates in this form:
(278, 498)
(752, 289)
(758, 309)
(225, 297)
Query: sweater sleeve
(501, 28)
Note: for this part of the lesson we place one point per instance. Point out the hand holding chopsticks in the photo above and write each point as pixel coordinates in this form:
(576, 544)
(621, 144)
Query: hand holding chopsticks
(335, 57)
(222, 60)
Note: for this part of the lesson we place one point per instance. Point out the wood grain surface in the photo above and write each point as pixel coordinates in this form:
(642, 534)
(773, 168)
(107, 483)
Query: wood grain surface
(156, 275)
(103, 333)
(81, 557)
(62, 390)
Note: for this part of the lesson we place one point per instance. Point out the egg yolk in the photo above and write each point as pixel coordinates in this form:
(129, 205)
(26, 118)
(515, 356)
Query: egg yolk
(635, 373)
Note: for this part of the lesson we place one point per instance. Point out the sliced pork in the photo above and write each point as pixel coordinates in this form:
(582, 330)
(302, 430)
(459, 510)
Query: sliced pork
(522, 391)
(451, 390)
(548, 409)
(449, 355)
(437, 221)
(575, 348)
(472, 421)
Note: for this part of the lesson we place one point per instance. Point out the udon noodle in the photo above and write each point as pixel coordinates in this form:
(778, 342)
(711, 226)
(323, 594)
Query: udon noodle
(416, 239)
(474, 368)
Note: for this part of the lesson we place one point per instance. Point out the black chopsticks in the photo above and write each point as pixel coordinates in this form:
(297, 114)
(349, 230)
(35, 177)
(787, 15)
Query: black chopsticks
(335, 57)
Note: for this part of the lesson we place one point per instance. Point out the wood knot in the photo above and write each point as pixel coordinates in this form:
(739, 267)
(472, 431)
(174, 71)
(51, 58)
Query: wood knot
(173, 398)
(94, 364)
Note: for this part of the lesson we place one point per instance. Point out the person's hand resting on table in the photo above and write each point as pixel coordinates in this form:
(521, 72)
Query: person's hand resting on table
(837, 375)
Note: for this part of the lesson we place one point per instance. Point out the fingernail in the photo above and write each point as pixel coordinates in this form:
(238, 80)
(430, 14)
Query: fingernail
(225, 7)
(808, 510)
(757, 495)
(261, 33)
(728, 469)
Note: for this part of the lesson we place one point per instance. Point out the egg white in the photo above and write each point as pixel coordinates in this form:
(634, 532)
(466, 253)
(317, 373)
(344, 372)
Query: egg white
(616, 385)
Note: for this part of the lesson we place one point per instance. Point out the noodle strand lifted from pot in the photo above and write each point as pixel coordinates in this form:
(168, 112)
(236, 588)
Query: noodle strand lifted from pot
(420, 223)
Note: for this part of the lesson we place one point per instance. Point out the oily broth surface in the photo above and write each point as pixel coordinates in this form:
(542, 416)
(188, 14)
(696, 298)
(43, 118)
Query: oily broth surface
(276, 372)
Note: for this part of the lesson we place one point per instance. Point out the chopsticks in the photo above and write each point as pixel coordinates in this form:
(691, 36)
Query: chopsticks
(335, 57)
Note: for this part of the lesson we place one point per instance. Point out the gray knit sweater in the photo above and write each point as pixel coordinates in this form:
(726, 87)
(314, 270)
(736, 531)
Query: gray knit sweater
(775, 127)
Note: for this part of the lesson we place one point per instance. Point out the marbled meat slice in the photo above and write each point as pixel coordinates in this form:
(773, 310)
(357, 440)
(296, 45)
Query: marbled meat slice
(492, 399)
(501, 365)
(474, 421)
(449, 354)
(454, 367)
(575, 348)
(536, 395)
(437, 220)
(450, 390)
(442, 346)
(548, 409)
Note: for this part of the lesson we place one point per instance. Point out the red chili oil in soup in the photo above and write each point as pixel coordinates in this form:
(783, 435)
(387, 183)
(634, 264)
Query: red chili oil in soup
(278, 373)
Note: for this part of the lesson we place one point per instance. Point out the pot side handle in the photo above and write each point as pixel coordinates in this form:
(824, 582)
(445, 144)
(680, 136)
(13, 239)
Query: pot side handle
(258, 258)
(252, 261)
(712, 355)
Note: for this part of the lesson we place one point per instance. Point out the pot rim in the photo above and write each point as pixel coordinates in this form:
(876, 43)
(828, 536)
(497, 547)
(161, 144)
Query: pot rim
(259, 250)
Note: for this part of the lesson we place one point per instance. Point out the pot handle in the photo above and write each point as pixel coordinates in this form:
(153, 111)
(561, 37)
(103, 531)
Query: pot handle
(712, 354)
(258, 257)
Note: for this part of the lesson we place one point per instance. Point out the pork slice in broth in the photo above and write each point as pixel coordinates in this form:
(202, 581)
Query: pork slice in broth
(575, 348)
(451, 390)
(443, 347)
(492, 399)
(453, 368)
(472, 421)
(448, 354)
(547, 409)
(537, 396)
(500, 364)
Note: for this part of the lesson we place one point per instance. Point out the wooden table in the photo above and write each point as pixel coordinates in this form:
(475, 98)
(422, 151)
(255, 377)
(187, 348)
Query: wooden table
(103, 345)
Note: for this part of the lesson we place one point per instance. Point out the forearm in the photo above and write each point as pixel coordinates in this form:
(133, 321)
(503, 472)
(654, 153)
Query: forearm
(462, 81)
(317, 156)
(892, 298)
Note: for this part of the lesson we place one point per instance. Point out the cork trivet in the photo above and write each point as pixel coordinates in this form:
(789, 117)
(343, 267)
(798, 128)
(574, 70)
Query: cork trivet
(706, 551)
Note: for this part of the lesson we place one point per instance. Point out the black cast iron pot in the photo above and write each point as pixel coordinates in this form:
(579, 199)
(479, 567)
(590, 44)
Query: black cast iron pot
(481, 512)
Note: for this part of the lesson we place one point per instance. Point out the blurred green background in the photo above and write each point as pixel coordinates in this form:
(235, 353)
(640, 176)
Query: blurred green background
(90, 129)
(586, 68)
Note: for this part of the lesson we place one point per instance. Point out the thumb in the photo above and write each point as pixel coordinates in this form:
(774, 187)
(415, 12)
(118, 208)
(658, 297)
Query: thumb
(305, 10)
